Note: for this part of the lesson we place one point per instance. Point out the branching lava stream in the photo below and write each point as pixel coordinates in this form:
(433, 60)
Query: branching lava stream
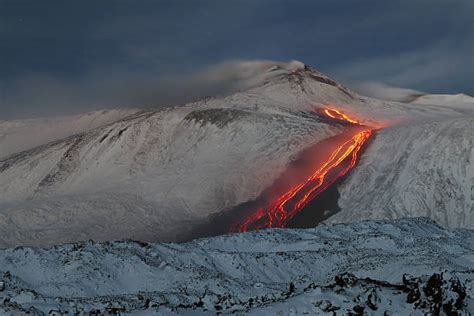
(285, 207)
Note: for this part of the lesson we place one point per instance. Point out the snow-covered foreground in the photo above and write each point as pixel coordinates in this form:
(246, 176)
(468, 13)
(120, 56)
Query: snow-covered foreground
(409, 266)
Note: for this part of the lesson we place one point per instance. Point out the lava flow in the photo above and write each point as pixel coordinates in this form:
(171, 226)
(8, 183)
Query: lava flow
(341, 160)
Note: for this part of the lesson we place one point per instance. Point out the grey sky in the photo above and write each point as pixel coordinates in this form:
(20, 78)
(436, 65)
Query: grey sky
(58, 57)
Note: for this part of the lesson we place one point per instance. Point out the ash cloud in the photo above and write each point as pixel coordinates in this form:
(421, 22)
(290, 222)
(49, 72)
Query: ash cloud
(42, 95)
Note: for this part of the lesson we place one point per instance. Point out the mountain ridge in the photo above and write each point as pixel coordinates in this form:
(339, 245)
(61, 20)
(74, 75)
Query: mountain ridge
(185, 163)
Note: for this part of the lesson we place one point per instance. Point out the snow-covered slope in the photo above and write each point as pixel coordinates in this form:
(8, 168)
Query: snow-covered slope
(20, 135)
(425, 169)
(404, 267)
(451, 100)
(156, 174)
(165, 169)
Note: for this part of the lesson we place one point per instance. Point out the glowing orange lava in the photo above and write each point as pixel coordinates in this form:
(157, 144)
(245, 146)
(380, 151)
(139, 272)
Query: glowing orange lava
(338, 115)
(289, 204)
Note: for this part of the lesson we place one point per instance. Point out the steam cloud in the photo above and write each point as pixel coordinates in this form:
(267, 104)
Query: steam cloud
(39, 95)
(386, 92)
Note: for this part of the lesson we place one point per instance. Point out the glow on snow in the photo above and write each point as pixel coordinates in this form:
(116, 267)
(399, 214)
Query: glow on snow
(285, 207)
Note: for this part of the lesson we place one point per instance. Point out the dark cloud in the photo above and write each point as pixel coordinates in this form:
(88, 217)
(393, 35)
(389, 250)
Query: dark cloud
(63, 56)
(445, 67)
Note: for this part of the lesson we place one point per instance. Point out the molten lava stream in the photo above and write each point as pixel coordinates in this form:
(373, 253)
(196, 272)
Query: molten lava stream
(278, 213)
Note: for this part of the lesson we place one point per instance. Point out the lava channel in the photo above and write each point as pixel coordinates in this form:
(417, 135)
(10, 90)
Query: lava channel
(286, 206)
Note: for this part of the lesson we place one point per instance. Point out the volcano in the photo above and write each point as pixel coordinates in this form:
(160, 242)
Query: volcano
(156, 175)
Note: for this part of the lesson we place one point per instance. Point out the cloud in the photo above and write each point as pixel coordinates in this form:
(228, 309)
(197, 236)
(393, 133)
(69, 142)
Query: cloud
(385, 92)
(442, 67)
(40, 95)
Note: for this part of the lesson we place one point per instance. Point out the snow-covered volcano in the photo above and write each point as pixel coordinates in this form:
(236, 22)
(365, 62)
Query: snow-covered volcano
(156, 174)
